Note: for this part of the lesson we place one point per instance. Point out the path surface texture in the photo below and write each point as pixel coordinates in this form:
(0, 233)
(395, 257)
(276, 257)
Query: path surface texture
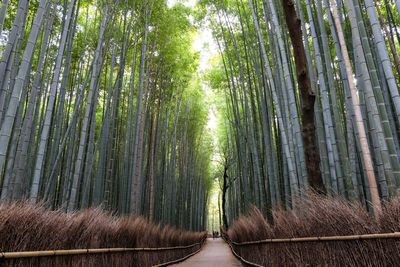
(214, 253)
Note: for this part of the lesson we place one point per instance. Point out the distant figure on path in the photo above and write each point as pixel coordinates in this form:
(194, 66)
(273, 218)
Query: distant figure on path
(215, 234)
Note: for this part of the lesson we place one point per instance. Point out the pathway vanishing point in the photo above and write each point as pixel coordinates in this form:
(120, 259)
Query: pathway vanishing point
(214, 253)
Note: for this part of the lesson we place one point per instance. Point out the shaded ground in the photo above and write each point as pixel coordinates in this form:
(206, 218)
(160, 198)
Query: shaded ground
(214, 253)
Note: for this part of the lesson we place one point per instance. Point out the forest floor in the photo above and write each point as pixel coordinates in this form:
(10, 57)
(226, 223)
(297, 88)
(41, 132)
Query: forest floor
(214, 253)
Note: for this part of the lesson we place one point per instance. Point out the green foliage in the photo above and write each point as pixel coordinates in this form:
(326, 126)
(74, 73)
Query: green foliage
(161, 127)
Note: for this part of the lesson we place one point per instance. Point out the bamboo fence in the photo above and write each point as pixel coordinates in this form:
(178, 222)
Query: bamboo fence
(47, 253)
(243, 260)
(320, 239)
(304, 239)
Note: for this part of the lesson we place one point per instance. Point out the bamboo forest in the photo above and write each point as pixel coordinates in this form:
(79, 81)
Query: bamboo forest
(199, 133)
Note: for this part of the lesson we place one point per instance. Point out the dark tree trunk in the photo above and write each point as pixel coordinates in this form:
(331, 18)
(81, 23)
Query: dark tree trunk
(307, 98)
(225, 187)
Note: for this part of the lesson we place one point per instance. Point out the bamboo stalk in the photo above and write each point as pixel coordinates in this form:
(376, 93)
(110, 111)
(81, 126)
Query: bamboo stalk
(46, 253)
(322, 238)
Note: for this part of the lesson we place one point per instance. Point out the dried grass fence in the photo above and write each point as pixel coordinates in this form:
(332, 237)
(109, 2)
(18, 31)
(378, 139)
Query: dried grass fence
(324, 231)
(50, 238)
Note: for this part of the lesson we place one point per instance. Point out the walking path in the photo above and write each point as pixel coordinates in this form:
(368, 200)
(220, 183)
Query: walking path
(214, 253)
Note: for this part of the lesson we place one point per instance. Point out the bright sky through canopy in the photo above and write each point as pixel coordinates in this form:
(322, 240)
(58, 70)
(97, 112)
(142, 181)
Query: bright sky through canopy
(190, 3)
(204, 43)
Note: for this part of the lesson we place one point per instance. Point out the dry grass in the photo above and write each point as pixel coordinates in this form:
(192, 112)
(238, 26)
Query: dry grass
(320, 216)
(24, 227)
